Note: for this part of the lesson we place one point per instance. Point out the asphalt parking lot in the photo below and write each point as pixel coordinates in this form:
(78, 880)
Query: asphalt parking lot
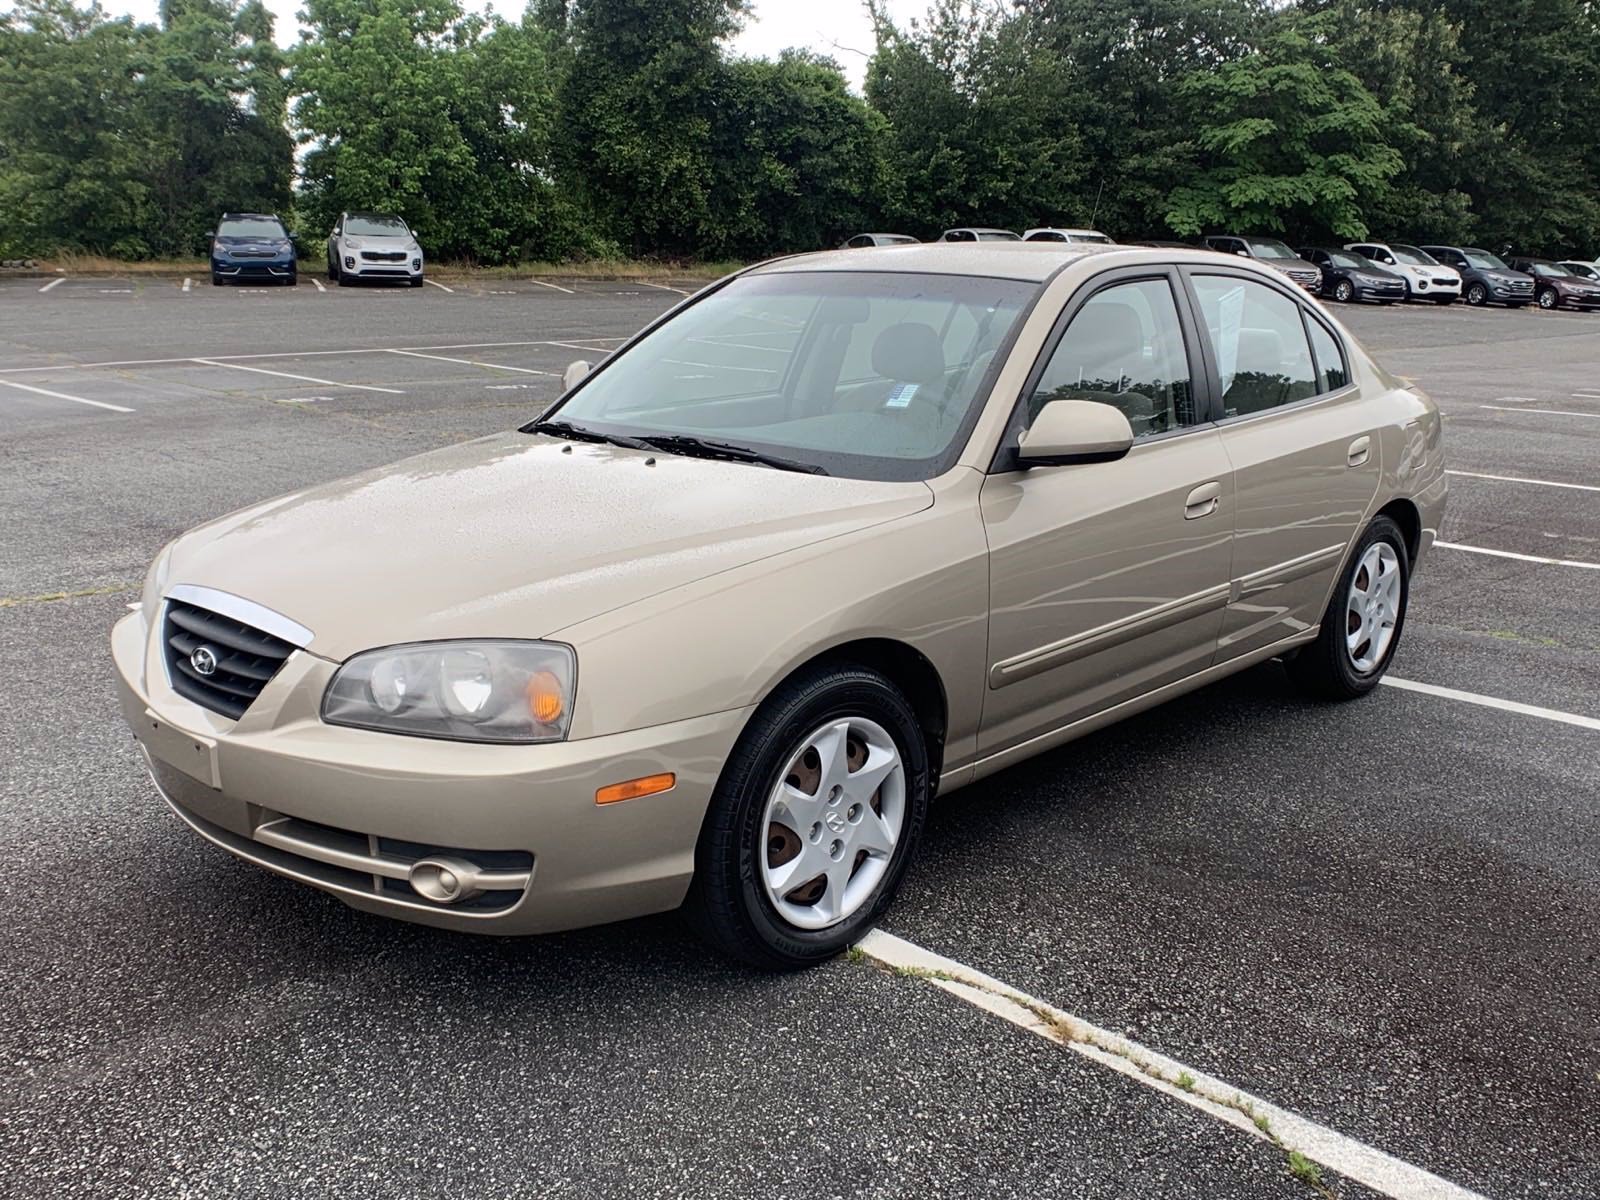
(1382, 918)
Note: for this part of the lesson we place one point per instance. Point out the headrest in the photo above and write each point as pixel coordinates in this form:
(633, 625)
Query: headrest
(908, 353)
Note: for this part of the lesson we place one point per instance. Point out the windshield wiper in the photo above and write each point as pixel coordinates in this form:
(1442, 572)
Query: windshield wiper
(576, 433)
(680, 443)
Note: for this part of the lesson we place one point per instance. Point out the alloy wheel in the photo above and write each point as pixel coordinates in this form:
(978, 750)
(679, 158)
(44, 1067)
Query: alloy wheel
(832, 822)
(1372, 607)
(1343, 291)
(1547, 298)
(1477, 294)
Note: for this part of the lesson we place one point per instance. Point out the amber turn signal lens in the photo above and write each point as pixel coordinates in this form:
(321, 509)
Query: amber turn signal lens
(544, 698)
(634, 788)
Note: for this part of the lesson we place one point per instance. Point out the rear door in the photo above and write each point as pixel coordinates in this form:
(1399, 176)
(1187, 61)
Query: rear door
(1303, 445)
(1108, 580)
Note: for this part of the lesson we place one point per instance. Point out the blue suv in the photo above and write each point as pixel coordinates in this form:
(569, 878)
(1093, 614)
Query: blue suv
(252, 246)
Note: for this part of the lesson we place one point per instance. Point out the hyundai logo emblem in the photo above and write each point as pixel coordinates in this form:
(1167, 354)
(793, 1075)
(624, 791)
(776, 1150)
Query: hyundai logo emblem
(204, 660)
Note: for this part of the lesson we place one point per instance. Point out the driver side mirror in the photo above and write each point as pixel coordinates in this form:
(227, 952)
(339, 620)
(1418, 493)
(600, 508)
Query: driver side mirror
(1242, 253)
(1075, 431)
(575, 374)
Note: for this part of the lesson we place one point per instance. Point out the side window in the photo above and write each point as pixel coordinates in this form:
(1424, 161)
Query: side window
(1260, 343)
(856, 243)
(1332, 374)
(1124, 347)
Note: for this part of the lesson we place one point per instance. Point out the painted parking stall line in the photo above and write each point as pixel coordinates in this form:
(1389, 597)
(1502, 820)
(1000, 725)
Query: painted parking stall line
(1367, 1165)
(1533, 558)
(440, 286)
(555, 287)
(359, 387)
(63, 396)
(1511, 706)
(1577, 487)
(472, 362)
(1549, 412)
(54, 283)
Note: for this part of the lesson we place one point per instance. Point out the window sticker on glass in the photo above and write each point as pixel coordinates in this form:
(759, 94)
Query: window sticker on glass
(900, 395)
(1230, 318)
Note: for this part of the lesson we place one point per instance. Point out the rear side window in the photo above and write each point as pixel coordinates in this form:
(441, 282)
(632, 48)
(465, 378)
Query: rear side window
(857, 242)
(1332, 373)
(1260, 343)
(1124, 348)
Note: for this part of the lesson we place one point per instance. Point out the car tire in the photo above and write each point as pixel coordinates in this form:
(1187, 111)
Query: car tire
(216, 280)
(1477, 295)
(734, 899)
(343, 279)
(417, 282)
(1344, 663)
(1344, 291)
(333, 271)
(1548, 299)
(293, 280)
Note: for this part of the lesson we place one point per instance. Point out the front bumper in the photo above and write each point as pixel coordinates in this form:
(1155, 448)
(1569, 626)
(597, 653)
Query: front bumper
(349, 811)
(253, 268)
(1434, 285)
(360, 263)
(1368, 291)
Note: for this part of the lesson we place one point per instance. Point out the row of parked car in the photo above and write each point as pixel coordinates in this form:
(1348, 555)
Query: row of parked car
(1379, 272)
(258, 248)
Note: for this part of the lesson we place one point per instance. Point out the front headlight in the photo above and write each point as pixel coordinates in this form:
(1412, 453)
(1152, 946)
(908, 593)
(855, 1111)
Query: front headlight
(155, 583)
(478, 691)
(352, 243)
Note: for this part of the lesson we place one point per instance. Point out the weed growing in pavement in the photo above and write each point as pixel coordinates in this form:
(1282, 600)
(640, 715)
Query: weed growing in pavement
(1186, 1081)
(1303, 1169)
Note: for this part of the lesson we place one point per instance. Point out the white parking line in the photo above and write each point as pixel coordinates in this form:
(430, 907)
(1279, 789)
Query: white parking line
(574, 346)
(53, 283)
(440, 286)
(359, 387)
(555, 287)
(663, 287)
(1511, 706)
(1533, 558)
(1549, 412)
(160, 362)
(472, 362)
(1577, 487)
(187, 283)
(63, 396)
(1288, 1131)
(318, 282)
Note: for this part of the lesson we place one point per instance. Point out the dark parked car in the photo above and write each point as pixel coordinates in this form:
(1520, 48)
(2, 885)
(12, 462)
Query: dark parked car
(862, 240)
(973, 233)
(248, 246)
(1554, 286)
(1272, 253)
(1348, 276)
(1484, 278)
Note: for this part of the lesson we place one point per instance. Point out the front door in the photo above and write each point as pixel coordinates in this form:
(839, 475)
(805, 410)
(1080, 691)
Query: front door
(1108, 579)
(1304, 448)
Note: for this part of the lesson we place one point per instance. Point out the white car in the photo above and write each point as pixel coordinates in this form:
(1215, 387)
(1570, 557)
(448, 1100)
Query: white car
(1426, 277)
(1586, 268)
(1049, 233)
(366, 245)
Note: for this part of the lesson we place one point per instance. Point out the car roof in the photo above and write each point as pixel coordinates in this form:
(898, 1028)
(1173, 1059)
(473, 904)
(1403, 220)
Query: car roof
(1032, 262)
(979, 229)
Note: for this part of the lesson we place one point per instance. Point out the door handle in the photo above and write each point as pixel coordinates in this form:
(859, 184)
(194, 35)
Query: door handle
(1360, 450)
(1203, 501)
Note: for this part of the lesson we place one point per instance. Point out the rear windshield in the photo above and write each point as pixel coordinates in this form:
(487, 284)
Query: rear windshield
(872, 375)
(998, 235)
(375, 226)
(257, 227)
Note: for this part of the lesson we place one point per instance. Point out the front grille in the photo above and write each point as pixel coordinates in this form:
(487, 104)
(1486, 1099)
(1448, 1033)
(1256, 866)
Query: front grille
(1447, 282)
(383, 256)
(244, 658)
(1306, 279)
(1522, 285)
(255, 254)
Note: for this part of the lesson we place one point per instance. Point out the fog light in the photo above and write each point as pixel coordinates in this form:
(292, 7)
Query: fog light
(350, 263)
(444, 880)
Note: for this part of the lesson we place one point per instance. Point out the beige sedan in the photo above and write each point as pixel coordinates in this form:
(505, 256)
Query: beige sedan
(836, 535)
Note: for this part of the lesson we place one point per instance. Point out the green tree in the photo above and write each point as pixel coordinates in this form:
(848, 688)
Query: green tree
(1289, 141)
(75, 150)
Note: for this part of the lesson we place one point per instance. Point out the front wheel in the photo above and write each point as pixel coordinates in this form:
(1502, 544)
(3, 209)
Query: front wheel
(1344, 291)
(1477, 295)
(1548, 298)
(1361, 627)
(814, 820)
(416, 282)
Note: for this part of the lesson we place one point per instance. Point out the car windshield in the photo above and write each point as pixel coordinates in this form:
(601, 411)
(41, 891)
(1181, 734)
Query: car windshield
(370, 226)
(1098, 238)
(251, 227)
(1343, 258)
(1413, 257)
(1483, 260)
(1047, 235)
(1269, 248)
(998, 235)
(1550, 269)
(873, 375)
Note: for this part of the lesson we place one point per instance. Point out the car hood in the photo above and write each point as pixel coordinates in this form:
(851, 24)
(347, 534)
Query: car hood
(276, 245)
(370, 242)
(1289, 264)
(514, 536)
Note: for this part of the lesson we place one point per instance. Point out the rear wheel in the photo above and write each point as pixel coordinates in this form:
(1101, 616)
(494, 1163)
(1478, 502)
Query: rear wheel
(1361, 627)
(1477, 295)
(814, 820)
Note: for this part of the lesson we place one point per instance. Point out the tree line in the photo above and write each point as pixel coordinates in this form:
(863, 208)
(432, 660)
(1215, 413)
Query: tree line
(604, 128)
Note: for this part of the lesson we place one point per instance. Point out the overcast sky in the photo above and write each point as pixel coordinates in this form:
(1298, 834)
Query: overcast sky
(835, 27)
